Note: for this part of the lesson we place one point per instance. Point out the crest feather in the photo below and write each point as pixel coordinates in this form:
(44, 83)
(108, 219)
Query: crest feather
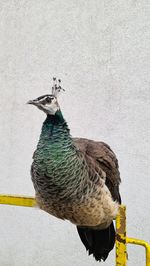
(56, 87)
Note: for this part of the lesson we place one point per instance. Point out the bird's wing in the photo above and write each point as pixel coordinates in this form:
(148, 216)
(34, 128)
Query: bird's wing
(104, 158)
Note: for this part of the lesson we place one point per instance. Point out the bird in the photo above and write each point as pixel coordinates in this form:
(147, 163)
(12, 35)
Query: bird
(76, 179)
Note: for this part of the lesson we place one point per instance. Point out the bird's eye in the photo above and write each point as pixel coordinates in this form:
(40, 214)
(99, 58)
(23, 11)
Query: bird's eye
(48, 99)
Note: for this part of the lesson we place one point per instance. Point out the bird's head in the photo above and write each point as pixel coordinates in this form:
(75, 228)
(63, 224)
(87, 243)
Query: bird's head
(48, 103)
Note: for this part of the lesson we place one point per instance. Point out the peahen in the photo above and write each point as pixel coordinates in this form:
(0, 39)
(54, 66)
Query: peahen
(76, 179)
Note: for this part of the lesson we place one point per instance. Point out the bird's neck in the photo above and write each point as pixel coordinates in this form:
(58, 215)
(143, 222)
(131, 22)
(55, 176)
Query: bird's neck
(55, 127)
(55, 135)
(57, 119)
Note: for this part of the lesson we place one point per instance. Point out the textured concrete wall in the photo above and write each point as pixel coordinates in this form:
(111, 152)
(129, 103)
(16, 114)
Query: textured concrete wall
(101, 51)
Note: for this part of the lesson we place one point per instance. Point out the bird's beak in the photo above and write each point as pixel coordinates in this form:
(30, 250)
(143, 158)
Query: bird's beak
(31, 102)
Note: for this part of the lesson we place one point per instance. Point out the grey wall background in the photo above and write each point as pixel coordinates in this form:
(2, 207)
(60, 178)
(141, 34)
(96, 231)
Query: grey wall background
(101, 51)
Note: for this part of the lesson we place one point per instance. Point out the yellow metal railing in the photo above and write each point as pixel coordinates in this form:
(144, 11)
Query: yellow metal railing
(121, 239)
(17, 200)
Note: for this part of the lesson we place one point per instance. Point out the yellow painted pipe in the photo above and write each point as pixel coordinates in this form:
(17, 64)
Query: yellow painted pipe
(141, 243)
(122, 240)
(121, 249)
(17, 200)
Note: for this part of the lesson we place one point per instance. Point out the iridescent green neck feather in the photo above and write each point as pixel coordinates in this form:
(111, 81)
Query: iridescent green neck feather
(55, 127)
(55, 138)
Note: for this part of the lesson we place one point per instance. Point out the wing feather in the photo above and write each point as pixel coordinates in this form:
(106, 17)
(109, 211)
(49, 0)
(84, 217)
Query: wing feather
(103, 158)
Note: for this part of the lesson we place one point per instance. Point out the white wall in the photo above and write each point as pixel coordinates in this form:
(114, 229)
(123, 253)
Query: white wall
(101, 51)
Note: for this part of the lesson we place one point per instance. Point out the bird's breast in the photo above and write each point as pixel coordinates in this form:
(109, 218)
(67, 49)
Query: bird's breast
(97, 211)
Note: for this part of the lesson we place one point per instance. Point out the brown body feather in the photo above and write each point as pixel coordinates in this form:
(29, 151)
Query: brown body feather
(101, 156)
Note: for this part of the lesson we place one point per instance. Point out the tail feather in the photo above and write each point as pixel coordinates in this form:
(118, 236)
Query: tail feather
(98, 242)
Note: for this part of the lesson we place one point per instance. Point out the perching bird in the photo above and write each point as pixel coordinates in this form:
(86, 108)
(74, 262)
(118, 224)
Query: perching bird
(76, 179)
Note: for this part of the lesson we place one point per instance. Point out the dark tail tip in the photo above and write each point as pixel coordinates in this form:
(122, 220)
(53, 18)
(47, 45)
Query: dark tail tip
(98, 242)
